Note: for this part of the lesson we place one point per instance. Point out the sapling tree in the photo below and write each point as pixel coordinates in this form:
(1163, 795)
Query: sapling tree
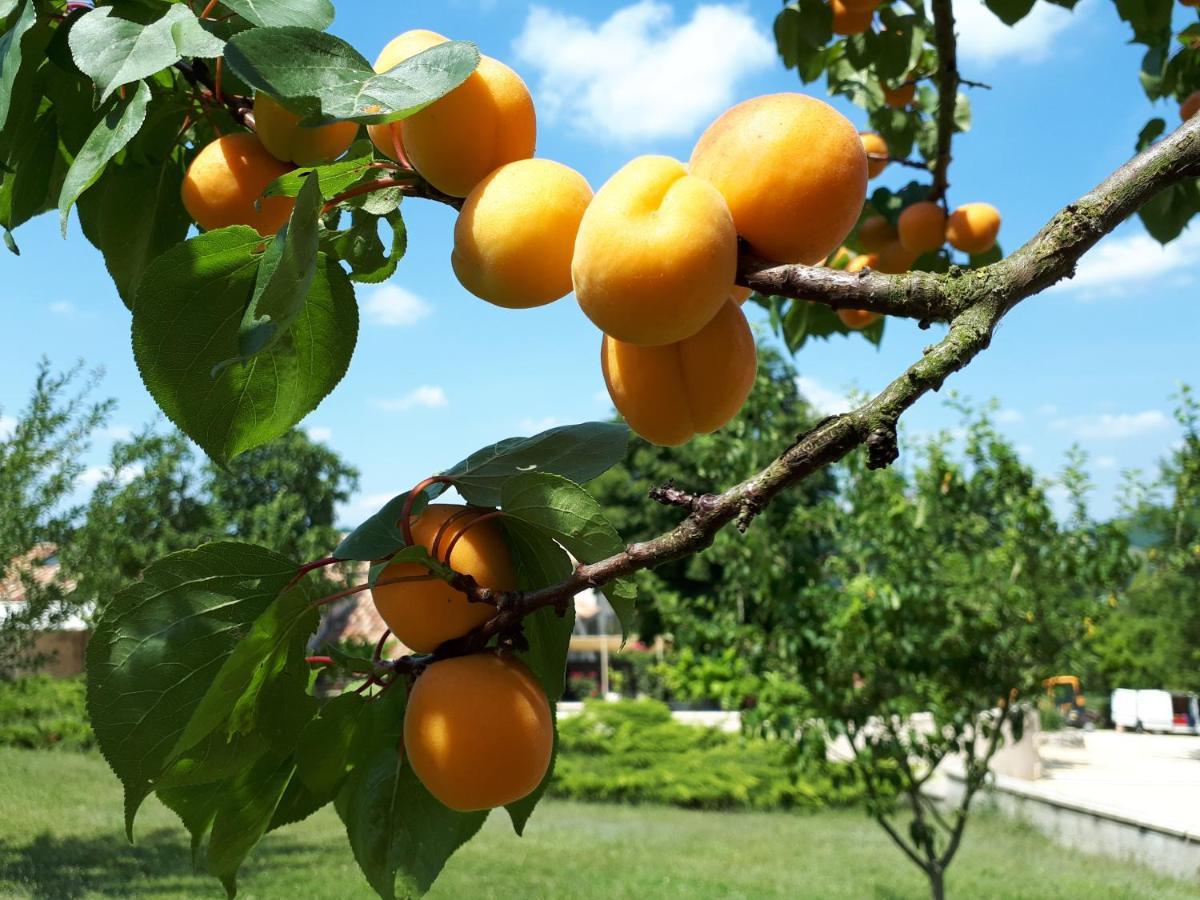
(243, 119)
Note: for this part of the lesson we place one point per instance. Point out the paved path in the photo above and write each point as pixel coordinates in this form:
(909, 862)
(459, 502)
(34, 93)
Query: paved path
(1150, 777)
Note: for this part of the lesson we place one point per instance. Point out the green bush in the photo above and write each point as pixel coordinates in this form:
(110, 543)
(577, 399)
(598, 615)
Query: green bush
(634, 752)
(40, 713)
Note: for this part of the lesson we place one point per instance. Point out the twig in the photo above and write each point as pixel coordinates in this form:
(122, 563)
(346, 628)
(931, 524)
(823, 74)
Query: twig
(947, 86)
(196, 73)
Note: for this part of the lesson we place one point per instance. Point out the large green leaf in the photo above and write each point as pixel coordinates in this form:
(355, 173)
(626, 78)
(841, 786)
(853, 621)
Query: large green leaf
(10, 55)
(570, 515)
(248, 804)
(380, 534)
(159, 642)
(359, 246)
(335, 177)
(285, 275)
(1170, 210)
(1010, 11)
(185, 324)
(115, 48)
(107, 139)
(316, 14)
(578, 452)
(401, 836)
(37, 169)
(321, 76)
(131, 235)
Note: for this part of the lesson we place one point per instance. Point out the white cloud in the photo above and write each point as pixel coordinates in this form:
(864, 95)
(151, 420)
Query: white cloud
(390, 304)
(1106, 462)
(1118, 263)
(984, 40)
(62, 308)
(319, 433)
(93, 475)
(116, 432)
(427, 395)
(824, 399)
(536, 426)
(639, 74)
(7, 425)
(1113, 426)
(1047, 409)
(1009, 417)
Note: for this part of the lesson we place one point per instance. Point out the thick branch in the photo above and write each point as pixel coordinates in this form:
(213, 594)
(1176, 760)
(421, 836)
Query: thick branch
(947, 86)
(196, 72)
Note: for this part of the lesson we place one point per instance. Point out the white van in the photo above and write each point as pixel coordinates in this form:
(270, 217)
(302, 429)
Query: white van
(1160, 711)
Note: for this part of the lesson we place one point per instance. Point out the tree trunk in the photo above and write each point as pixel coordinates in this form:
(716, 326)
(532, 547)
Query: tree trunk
(937, 883)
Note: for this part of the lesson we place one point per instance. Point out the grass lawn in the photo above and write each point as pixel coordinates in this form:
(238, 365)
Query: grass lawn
(61, 836)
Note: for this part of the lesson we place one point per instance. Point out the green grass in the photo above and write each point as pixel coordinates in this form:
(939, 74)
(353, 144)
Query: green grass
(61, 837)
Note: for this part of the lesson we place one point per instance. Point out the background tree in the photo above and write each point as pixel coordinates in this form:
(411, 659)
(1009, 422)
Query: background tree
(40, 452)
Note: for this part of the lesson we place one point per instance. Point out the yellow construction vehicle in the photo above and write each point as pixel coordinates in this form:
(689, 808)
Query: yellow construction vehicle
(1066, 693)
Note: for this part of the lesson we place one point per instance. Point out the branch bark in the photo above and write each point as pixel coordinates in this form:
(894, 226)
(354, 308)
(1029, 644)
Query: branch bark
(196, 73)
(947, 85)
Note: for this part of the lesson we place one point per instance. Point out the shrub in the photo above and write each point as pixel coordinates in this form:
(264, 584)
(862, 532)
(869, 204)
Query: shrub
(42, 713)
(634, 752)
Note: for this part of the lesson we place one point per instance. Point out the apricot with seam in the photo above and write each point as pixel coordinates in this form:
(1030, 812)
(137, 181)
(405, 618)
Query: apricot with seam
(224, 184)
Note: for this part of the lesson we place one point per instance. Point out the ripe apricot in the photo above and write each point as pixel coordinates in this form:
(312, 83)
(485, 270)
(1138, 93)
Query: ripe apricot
(793, 171)
(223, 186)
(515, 236)
(894, 258)
(739, 294)
(922, 227)
(387, 137)
(1190, 106)
(857, 319)
(286, 139)
(423, 614)
(478, 731)
(875, 232)
(656, 253)
(669, 394)
(900, 97)
(972, 228)
(848, 21)
(875, 145)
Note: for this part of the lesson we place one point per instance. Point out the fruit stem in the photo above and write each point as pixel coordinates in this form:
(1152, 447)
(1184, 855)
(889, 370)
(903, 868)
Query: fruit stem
(406, 510)
(212, 4)
(320, 660)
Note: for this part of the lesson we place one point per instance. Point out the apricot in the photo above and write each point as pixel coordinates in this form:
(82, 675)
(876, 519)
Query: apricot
(669, 394)
(876, 231)
(972, 228)
(478, 731)
(875, 145)
(839, 258)
(793, 171)
(423, 614)
(847, 20)
(515, 236)
(387, 137)
(900, 97)
(739, 294)
(1190, 106)
(286, 139)
(922, 227)
(656, 253)
(865, 261)
(223, 186)
(857, 319)
(893, 258)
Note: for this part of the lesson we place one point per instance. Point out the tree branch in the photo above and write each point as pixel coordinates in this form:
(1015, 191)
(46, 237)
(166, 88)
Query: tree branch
(947, 85)
(197, 74)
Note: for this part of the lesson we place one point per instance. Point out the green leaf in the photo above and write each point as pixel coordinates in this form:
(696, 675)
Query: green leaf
(316, 14)
(350, 730)
(578, 452)
(158, 643)
(360, 247)
(380, 534)
(1010, 11)
(335, 177)
(37, 171)
(401, 836)
(129, 234)
(962, 113)
(107, 139)
(978, 260)
(1150, 133)
(570, 515)
(10, 55)
(319, 76)
(1150, 20)
(285, 274)
(115, 49)
(185, 323)
(1168, 212)
(248, 804)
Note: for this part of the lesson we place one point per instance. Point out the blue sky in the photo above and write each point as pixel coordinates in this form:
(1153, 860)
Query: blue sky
(438, 373)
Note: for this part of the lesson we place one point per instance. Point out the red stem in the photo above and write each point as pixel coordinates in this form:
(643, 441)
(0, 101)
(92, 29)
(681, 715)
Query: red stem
(320, 660)
(378, 654)
(406, 510)
(494, 514)
(212, 4)
(367, 188)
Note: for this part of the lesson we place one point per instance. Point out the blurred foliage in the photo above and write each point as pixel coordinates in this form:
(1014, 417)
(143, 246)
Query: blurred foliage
(43, 713)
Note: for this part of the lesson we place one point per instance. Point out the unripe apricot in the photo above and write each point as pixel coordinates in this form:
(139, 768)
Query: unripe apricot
(286, 139)
(857, 319)
(839, 258)
(223, 186)
(386, 137)
(898, 98)
(656, 253)
(875, 145)
(478, 731)
(865, 261)
(922, 227)
(515, 236)
(1190, 106)
(848, 21)
(793, 171)
(669, 394)
(894, 258)
(972, 228)
(875, 232)
(423, 614)
(739, 294)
